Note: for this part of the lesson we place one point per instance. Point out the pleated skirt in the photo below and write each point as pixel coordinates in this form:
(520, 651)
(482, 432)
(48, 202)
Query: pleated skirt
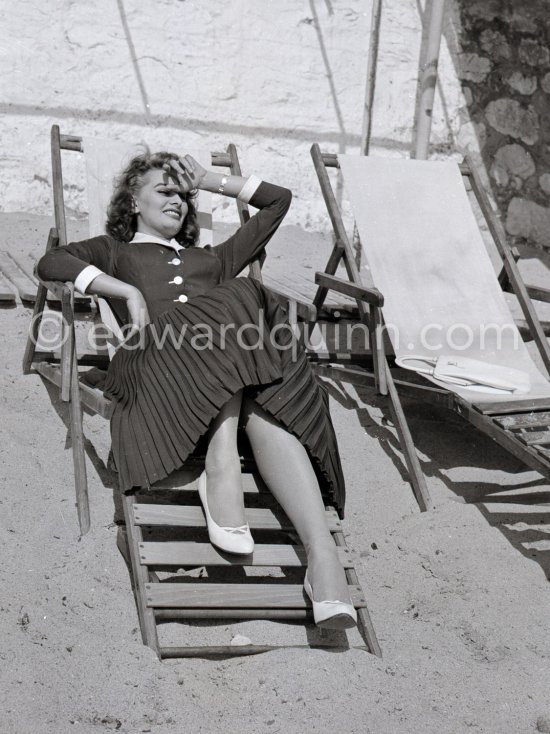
(173, 378)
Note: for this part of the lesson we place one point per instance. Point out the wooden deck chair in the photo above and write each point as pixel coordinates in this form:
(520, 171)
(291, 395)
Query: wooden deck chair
(422, 248)
(165, 525)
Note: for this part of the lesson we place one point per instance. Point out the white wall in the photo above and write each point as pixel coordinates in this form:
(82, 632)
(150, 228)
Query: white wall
(272, 76)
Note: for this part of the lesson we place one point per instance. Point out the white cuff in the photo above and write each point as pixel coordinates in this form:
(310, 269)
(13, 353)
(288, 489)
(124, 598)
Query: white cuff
(249, 189)
(85, 277)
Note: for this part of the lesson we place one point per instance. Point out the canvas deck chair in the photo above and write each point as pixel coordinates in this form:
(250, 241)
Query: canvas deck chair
(422, 249)
(165, 525)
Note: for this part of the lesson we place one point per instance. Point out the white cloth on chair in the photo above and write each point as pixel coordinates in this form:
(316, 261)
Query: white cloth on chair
(426, 255)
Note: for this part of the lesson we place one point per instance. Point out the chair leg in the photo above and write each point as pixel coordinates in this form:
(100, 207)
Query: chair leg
(416, 475)
(79, 456)
(364, 622)
(140, 575)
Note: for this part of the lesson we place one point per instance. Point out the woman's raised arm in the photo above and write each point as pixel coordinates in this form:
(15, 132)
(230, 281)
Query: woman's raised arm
(250, 239)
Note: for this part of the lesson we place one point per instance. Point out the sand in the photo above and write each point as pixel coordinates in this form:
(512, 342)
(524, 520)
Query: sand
(459, 596)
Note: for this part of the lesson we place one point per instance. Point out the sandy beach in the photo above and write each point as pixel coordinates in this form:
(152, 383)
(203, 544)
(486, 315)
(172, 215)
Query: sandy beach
(459, 596)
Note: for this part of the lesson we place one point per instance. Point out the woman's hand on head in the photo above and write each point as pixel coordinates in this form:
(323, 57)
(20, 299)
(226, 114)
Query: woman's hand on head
(188, 172)
(137, 310)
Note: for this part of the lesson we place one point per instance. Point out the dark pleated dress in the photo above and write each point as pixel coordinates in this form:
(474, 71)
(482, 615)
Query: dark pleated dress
(170, 381)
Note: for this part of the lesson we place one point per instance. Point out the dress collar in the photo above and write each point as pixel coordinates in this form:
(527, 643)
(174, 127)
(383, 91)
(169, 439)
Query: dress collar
(140, 237)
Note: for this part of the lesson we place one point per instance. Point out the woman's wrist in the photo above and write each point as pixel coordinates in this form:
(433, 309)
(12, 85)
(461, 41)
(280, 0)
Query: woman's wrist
(132, 293)
(106, 286)
(225, 184)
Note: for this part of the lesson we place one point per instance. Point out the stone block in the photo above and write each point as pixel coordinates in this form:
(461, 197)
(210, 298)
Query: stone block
(544, 182)
(473, 68)
(486, 9)
(533, 53)
(529, 220)
(468, 96)
(545, 83)
(499, 174)
(521, 20)
(495, 44)
(521, 83)
(516, 160)
(509, 117)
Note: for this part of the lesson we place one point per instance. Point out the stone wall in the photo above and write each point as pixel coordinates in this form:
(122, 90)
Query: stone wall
(273, 76)
(505, 69)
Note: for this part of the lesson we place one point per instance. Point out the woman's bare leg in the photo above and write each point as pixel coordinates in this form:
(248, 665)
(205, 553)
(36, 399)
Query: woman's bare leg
(223, 467)
(286, 469)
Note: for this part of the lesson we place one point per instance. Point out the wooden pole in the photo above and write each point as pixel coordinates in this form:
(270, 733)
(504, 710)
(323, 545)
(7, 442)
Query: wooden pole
(371, 75)
(428, 80)
(372, 64)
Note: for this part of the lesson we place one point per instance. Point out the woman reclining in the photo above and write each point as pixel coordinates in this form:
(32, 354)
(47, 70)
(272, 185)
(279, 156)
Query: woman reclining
(210, 352)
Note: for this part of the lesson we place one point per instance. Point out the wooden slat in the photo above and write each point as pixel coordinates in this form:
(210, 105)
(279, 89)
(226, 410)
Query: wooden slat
(538, 294)
(140, 576)
(523, 420)
(23, 283)
(176, 553)
(77, 444)
(74, 142)
(544, 452)
(364, 621)
(7, 296)
(280, 596)
(533, 438)
(187, 516)
(500, 239)
(343, 250)
(56, 287)
(90, 359)
(38, 313)
(363, 378)
(346, 357)
(90, 397)
(359, 292)
(507, 439)
(70, 142)
(182, 479)
(57, 184)
(305, 286)
(67, 343)
(239, 650)
(185, 480)
(525, 331)
(234, 613)
(416, 475)
(513, 406)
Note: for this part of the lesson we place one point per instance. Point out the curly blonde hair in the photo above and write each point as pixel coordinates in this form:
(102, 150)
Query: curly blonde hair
(121, 219)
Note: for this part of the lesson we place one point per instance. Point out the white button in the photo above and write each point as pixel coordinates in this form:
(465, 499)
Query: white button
(178, 280)
(174, 261)
(183, 298)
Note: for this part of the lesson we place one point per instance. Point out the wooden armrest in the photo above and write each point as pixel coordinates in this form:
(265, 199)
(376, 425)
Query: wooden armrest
(359, 292)
(538, 294)
(58, 288)
(304, 311)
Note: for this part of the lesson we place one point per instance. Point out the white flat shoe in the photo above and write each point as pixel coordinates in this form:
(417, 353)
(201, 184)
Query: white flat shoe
(233, 540)
(332, 615)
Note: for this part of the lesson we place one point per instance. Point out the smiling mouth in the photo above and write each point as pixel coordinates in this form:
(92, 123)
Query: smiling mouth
(173, 213)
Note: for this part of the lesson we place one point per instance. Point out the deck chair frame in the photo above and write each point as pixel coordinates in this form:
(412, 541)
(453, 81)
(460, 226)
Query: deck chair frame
(163, 601)
(521, 427)
(61, 368)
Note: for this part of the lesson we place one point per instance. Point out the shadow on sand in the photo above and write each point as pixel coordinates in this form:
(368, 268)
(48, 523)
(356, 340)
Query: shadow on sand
(444, 442)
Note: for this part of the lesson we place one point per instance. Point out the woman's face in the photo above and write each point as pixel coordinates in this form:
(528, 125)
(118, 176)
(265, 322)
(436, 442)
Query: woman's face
(161, 204)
